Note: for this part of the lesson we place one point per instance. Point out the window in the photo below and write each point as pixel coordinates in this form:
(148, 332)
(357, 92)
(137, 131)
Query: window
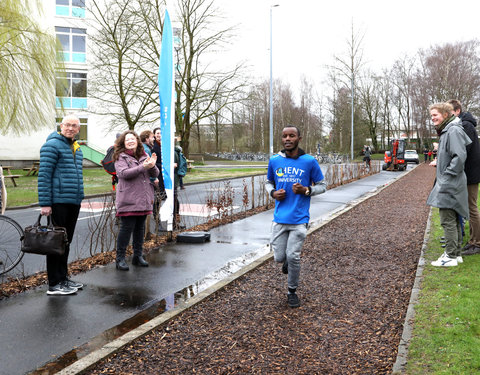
(71, 90)
(70, 8)
(82, 135)
(73, 42)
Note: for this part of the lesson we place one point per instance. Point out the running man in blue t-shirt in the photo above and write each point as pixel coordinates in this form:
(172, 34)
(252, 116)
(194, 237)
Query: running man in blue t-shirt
(293, 177)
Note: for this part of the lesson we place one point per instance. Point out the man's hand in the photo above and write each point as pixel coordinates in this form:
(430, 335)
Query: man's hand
(279, 194)
(299, 188)
(46, 211)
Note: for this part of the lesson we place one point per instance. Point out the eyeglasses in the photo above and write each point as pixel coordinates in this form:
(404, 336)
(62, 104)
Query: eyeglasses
(71, 125)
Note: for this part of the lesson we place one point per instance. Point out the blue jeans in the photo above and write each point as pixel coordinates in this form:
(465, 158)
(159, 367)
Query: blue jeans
(286, 241)
(129, 225)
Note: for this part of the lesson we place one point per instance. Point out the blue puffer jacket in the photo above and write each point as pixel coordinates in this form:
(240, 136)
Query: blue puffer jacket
(60, 177)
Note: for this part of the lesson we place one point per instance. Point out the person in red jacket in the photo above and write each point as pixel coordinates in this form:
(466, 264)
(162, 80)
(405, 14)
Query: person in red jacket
(134, 197)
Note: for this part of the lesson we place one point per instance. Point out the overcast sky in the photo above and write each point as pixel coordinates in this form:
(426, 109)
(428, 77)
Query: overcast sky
(308, 33)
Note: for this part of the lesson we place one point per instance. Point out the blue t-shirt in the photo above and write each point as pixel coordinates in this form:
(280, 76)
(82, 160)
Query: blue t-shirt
(284, 172)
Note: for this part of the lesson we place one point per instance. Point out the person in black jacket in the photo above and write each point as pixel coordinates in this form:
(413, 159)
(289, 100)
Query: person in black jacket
(472, 170)
(159, 185)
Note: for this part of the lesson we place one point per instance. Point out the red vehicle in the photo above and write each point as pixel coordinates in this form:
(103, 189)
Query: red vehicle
(394, 159)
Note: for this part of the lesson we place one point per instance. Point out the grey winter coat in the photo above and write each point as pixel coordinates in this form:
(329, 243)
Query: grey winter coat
(450, 190)
(135, 189)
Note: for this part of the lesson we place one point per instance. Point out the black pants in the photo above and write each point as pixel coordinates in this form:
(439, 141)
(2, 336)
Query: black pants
(64, 215)
(129, 225)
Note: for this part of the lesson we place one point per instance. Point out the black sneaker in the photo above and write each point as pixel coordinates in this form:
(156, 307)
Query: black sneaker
(285, 267)
(73, 284)
(61, 289)
(293, 300)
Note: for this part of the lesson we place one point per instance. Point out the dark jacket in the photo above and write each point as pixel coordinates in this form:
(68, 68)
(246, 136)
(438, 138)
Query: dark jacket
(472, 164)
(157, 148)
(135, 190)
(60, 176)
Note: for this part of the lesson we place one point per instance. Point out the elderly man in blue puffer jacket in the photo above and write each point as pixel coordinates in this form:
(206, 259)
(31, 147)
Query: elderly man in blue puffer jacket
(60, 193)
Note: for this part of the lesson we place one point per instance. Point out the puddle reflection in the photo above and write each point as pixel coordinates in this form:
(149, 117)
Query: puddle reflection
(154, 309)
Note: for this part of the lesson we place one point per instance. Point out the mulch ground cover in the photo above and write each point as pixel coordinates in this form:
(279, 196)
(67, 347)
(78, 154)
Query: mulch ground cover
(356, 279)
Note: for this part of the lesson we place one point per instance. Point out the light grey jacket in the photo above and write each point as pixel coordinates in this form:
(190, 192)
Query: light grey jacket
(450, 190)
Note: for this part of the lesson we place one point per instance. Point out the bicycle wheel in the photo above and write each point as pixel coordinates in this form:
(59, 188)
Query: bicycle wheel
(11, 236)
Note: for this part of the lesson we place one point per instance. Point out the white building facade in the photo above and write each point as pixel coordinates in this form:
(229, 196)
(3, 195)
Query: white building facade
(67, 20)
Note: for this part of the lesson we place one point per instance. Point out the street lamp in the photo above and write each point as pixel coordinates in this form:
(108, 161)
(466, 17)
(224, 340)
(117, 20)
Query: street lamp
(271, 83)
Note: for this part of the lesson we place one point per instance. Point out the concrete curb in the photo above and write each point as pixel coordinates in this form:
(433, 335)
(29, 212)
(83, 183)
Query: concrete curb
(91, 359)
(402, 353)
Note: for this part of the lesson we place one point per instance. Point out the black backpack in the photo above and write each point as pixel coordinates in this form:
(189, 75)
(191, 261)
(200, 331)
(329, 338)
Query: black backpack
(109, 165)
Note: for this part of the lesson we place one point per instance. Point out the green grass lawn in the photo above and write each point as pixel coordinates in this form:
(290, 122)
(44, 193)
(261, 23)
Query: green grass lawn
(97, 181)
(446, 334)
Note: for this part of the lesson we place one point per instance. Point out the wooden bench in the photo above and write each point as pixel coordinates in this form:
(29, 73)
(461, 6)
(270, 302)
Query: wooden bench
(13, 177)
(33, 169)
(6, 169)
(190, 165)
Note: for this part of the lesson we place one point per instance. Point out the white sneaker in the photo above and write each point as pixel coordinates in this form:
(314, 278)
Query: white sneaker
(459, 259)
(445, 261)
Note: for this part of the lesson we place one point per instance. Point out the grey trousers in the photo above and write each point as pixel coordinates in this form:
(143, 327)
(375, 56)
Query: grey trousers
(286, 241)
(452, 231)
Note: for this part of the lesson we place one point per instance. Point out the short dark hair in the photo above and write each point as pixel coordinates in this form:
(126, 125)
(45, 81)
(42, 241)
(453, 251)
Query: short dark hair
(456, 104)
(293, 126)
(144, 135)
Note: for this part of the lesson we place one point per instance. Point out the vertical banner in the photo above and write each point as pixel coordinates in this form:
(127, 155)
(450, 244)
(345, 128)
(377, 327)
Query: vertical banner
(167, 120)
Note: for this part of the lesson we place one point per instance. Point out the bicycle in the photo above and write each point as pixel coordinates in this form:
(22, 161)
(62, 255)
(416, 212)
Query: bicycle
(11, 237)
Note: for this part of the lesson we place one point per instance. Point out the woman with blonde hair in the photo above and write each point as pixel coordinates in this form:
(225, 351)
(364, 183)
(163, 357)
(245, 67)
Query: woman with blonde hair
(449, 193)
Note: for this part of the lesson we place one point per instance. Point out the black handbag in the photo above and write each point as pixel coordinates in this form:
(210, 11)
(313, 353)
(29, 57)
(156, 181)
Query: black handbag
(45, 239)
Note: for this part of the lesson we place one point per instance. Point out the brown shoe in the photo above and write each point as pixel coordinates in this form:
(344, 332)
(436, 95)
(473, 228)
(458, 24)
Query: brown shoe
(472, 250)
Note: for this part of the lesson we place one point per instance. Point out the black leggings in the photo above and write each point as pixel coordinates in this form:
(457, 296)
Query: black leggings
(129, 225)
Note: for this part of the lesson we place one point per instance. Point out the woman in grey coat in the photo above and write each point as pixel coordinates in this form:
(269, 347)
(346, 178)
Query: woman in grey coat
(134, 196)
(449, 193)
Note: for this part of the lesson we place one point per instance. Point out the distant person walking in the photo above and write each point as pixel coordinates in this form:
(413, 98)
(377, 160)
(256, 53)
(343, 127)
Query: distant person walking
(60, 193)
(425, 154)
(292, 178)
(134, 198)
(472, 170)
(449, 193)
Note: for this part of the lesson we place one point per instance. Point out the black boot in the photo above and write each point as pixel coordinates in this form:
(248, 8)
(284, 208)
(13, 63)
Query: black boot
(122, 265)
(138, 260)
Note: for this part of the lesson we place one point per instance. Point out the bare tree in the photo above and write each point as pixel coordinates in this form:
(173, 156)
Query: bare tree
(200, 85)
(25, 47)
(126, 35)
(369, 98)
(349, 68)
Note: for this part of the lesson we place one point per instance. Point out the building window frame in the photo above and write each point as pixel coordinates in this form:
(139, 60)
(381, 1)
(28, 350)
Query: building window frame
(71, 90)
(70, 8)
(74, 44)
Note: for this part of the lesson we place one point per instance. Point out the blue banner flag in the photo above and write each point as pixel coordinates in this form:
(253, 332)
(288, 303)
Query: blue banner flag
(167, 121)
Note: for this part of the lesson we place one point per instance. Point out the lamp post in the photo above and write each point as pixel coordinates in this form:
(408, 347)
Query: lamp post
(271, 84)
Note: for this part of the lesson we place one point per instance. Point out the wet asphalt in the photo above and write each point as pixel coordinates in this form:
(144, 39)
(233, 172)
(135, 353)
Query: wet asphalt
(38, 331)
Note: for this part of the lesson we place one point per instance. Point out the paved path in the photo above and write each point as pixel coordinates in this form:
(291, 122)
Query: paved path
(36, 329)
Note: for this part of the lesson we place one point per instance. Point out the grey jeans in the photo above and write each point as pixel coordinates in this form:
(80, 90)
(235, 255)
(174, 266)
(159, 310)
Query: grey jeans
(452, 229)
(286, 241)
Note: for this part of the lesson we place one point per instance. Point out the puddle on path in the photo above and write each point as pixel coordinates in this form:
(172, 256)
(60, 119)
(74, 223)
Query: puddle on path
(154, 309)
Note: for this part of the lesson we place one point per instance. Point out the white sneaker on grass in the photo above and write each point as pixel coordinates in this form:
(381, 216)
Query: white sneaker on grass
(445, 261)
(459, 259)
